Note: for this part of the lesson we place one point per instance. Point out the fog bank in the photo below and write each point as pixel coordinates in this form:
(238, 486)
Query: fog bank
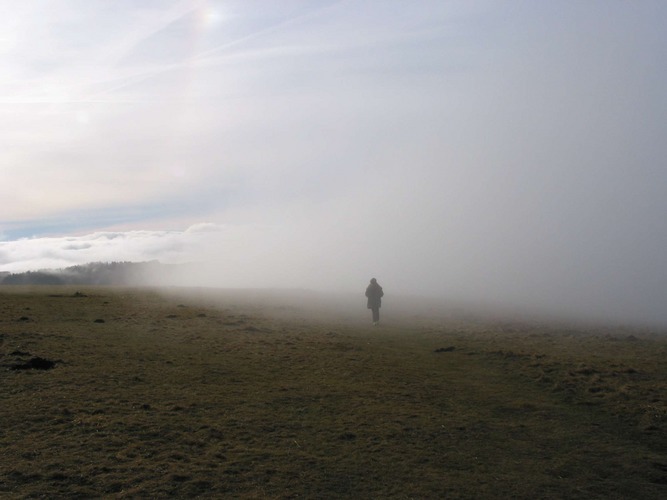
(497, 154)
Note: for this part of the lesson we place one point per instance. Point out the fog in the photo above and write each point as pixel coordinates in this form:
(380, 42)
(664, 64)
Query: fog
(502, 154)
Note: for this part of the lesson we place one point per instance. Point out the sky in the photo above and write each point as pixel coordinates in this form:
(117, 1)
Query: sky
(505, 153)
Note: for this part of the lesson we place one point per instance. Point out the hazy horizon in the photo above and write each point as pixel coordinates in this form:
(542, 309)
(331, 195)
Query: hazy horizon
(507, 153)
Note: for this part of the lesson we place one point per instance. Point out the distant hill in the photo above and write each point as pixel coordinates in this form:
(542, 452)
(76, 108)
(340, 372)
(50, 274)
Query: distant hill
(94, 273)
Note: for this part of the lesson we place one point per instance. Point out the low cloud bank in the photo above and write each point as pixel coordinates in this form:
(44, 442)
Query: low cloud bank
(32, 254)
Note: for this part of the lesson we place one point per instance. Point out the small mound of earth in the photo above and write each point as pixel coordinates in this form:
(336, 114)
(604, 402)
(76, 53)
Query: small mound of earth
(36, 363)
(445, 349)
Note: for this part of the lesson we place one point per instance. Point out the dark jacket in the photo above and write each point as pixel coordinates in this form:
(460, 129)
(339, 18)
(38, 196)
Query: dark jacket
(374, 293)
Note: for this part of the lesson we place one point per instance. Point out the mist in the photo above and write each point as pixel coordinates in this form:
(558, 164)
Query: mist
(502, 156)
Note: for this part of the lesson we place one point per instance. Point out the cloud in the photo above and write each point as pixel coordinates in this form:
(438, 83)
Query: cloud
(59, 252)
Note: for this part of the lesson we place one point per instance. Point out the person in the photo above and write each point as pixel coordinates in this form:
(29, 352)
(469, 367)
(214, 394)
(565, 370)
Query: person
(374, 293)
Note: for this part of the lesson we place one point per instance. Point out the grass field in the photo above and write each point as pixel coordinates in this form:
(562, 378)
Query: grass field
(181, 394)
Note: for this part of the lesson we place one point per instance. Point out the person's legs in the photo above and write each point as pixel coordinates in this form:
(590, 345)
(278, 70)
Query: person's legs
(376, 315)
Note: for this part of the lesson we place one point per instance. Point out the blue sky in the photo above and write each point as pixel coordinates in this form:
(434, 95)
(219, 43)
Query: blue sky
(509, 152)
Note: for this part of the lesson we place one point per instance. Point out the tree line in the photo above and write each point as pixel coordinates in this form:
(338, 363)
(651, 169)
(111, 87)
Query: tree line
(94, 273)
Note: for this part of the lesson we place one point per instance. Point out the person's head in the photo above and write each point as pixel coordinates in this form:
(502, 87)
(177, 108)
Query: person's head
(373, 281)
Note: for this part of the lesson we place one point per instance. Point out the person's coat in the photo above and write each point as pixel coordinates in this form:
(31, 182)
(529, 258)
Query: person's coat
(374, 293)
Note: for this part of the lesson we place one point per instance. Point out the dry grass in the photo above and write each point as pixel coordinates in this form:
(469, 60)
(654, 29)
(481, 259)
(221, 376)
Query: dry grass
(157, 395)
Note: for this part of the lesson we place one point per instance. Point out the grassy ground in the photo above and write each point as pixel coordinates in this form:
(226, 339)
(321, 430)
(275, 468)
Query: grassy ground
(157, 395)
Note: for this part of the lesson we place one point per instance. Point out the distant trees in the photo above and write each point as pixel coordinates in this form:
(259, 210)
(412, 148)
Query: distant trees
(33, 278)
(94, 273)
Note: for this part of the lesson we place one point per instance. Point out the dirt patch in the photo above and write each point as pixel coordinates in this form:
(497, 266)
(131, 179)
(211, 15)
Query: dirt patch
(36, 363)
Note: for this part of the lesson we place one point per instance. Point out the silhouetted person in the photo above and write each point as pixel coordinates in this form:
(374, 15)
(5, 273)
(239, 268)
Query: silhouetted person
(374, 293)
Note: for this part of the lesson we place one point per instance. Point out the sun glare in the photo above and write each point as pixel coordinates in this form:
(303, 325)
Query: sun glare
(209, 17)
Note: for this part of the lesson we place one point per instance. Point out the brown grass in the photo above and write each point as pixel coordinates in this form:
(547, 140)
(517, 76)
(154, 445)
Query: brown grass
(157, 395)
